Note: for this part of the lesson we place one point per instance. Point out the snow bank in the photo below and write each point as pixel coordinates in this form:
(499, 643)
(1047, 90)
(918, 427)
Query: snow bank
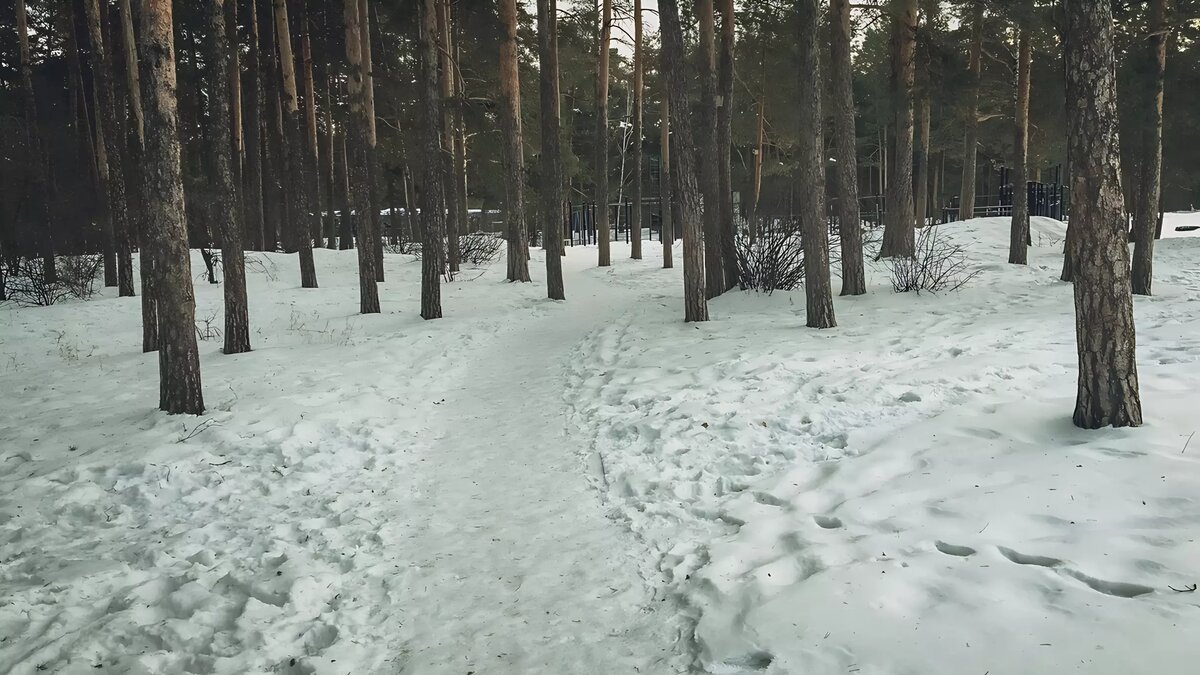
(905, 493)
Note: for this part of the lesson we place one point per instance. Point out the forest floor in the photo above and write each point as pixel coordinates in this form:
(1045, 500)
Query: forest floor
(596, 487)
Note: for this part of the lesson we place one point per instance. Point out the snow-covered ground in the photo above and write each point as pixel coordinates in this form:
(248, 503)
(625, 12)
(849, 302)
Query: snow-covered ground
(1181, 219)
(595, 487)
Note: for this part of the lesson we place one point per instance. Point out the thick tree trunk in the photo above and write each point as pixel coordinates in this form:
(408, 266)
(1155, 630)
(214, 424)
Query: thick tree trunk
(684, 184)
(966, 209)
(666, 196)
(725, 67)
(600, 136)
(252, 177)
(708, 174)
(452, 185)
(275, 221)
(358, 164)
(845, 145)
(811, 157)
(312, 138)
(432, 200)
(373, 172)
(237, 322)
(1145, 218)
(108, 141)
(1108, 381)
(551, 160)
(514, 153)
(297, 162)
(639, 66)
(1018, 249)
(898, 235)
(178, 357)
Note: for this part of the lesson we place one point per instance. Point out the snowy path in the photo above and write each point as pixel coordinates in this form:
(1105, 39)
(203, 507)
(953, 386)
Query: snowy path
(529, 574)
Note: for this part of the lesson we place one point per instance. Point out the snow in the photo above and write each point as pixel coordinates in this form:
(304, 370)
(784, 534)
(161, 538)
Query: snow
(1181, 219)
(594, 486)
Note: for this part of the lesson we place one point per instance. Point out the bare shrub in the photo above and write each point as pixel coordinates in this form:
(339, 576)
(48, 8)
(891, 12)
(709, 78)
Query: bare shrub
(939, 265)
(774, 260)
(477, 249)
(263, 265)
(208, 327)
(27, 284)
(78, 273)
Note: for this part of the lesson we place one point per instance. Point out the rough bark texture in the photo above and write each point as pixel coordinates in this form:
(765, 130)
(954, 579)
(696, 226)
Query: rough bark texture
(1145, 216)
(342, 178)
(666, 196)
(178, 358)
(453, 226)
(726, 222)
(810, 154)
(966, 201)
(854, 281)
(514, 153)
(274, 207)
(600, 137)
(225, 208)
(252, 177)
(312, 146)
(684, 184)
(358, 163)
(373, 171)
(635, 233)
(552, 168)
(432, 201)
(1018, 249)
(898, 235)
(108, 141)
(1108, 381)
(706, 135)
(297, 161)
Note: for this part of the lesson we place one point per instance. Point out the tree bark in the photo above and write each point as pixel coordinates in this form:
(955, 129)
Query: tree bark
(274, 206)
(551, 159)
(966, 209)
(358, 164)
(1104, 327)
(252, 192)
(666, 197)
(40, 189)
(342, 169)
(725, 68)
(684, 183)
(1145, 218)
(297, 163)
(312, 138)
(514, 152)
(1018, 249)
(706, 135)
(330, 162)
(845, 143)
(811, 158)
(898, 235)
(453, 226)
(639, 66)
(237, 322)
(373, 172)
(178, 357)
(600, 137)
(108, 142)
(432, 200)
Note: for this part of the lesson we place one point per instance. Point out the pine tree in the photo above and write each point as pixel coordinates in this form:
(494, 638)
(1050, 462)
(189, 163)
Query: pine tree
(513, 152)
(898, 235)
(551, 160)
(639, 66)
(432, 200)
(358, 164)
(811, 157)
(708, 174)
(845, 144)
(1145, 216)
(1018, 249)
(296, 163)
(600, 169)
(40, 188)
(966, 209)
(725, 67)
(666, 198)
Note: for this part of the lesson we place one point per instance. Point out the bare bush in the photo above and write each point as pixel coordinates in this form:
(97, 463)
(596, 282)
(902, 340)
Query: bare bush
(263, 265)
(773, 260)
(477, 249)
(209, 327)
(78, 274)
(27, 284)
(939, 265)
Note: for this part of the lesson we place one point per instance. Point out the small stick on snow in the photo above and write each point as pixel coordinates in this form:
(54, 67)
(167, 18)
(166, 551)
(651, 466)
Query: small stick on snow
(1185, 443)
(1185, 589)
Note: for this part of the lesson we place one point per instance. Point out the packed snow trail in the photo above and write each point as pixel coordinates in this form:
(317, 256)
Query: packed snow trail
(528, 574)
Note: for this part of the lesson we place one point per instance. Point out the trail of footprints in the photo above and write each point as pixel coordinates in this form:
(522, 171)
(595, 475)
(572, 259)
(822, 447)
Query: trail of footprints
(1118, 589)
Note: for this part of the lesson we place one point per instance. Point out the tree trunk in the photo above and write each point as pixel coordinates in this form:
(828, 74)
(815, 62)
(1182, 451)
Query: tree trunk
(600, 137)
(811, 157)
(725, 68)
(453, 226)
(329, 164)
(342, 169)
(1108, 381)
(298, 164)
(845, 144)
(635, 216)
(898, 236)
(108, 142)
(514, 153)
(252, 177)
(274, 208)
(666, 231)
(921, 179)
(364, 34)
(551, 160)
(684, 184)
(40, 188)
(966, 209)
(1018, 249)
(432, 201)
(237, 322)
(1145, 218)
(707, 172)
(178, 357)
(358, 164)
(312, 145)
